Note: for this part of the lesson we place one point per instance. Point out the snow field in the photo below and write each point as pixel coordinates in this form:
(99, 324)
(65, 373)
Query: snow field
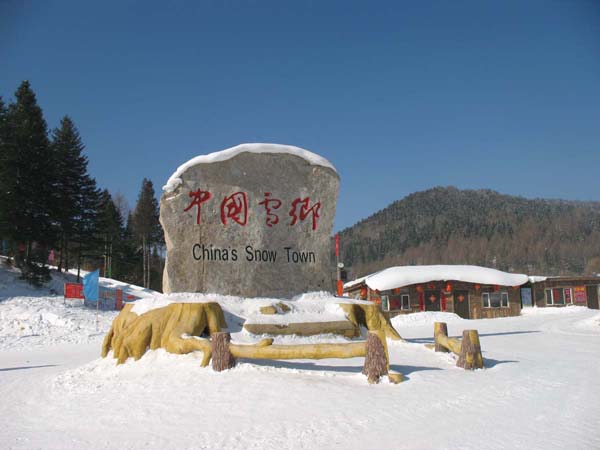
(539, 391)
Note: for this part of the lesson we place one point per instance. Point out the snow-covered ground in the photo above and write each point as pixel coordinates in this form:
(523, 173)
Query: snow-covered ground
(540, 389)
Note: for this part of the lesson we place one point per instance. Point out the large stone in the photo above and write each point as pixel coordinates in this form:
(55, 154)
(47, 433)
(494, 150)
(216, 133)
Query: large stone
(221, 237)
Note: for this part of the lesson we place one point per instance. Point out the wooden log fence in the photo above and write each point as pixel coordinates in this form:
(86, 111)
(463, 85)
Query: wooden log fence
(224, 353)
(468, 349)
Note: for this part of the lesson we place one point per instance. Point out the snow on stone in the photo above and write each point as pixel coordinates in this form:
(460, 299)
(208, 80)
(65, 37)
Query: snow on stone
(314, 159)
(395, 277)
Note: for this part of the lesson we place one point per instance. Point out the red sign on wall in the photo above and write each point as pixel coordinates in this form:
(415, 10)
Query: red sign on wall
(74, 290)
(580, 296)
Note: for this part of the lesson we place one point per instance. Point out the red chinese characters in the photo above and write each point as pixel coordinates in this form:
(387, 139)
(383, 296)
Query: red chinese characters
(305, 211)
(270, 204)
(198, 197)
(235, 207)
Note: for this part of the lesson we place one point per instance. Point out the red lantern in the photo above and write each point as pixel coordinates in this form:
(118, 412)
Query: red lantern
(496, 288)
(397, 291)
(448, 287)
(363, 293)
(477, 287)
(419, 288)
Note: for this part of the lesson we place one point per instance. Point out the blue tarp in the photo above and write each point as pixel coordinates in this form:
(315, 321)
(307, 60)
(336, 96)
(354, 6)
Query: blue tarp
(90, 286)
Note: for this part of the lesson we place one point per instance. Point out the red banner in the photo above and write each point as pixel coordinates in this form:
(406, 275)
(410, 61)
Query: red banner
(580, 295)
(73, 290)
(340, 288)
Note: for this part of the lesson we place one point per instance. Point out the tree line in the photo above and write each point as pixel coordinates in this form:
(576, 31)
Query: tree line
(53, 212)
(445, 225)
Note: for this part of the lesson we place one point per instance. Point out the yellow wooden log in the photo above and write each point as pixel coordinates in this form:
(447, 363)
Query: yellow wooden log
(370, 317)
(440, 329)
(452, 344)
(301, 351)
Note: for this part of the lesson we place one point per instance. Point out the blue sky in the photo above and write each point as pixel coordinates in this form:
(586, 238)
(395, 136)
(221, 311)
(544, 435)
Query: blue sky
(399, 96)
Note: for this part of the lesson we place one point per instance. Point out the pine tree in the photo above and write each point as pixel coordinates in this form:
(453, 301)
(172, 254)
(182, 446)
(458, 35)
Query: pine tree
(76, 197)
(109, 228)
(28, 177)
(146, 228)
(6, 155)
(129, 255)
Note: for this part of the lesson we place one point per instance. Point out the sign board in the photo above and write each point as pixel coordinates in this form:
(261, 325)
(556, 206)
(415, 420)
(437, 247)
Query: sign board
(580, 295)
(250, 221)
(73, 290)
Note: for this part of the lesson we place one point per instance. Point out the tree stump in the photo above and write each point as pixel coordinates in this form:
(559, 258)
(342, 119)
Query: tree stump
(470, 357)
(222, 359)
(440, 329)
(376, 359)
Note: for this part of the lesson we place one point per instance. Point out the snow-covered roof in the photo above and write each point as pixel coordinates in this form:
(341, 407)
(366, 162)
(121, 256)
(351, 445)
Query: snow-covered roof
(229, 153)
(537, 278)
(395, 277)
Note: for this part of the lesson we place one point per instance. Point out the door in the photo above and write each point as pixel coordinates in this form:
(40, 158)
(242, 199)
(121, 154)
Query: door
(461, 304)
(432, 301)
(592, 296)
(526, 299)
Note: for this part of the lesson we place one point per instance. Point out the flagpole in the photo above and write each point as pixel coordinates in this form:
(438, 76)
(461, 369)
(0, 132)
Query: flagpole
(97, 311)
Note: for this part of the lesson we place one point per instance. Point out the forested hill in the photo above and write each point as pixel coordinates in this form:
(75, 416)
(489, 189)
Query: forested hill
(445, 225)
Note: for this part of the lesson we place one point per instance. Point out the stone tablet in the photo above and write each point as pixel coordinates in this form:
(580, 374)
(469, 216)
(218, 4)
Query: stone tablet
(254, 220)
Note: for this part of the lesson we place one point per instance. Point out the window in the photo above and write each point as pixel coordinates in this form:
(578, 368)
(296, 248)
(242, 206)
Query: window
(405, 301)
(568, 295)
(495, 299)
(549, 300)
(558, 296)
(385, 305)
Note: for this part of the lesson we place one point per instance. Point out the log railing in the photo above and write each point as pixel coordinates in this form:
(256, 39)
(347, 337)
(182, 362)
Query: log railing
(468, 349)
(374, 350)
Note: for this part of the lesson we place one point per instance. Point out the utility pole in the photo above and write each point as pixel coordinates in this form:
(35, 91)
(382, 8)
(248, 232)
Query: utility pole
(340, 285)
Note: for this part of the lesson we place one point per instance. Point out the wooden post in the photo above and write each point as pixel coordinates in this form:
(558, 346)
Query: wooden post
(222, 359)
(470, 355)
(440, 329)
(376, 359)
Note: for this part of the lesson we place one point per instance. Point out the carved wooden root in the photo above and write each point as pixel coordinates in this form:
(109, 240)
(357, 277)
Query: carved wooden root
(176, 328)
(470, 356)
(371, 317)
(443, 341)
(376, 359)
(222, 359)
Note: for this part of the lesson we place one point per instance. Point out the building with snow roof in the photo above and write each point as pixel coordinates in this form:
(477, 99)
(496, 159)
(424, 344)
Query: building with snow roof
(472, 292)
(564, 291)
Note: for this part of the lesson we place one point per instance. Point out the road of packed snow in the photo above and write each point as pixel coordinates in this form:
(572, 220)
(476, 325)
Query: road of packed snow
(540, 389)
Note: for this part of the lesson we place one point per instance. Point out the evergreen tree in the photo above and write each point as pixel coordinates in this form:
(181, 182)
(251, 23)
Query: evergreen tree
(75, 194)
(28, 177)
(130, 255)
(109, 229)
(146, 228)
(6, 155)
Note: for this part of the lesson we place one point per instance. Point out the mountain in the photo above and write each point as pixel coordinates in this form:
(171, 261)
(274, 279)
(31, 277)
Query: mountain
(445, 225)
